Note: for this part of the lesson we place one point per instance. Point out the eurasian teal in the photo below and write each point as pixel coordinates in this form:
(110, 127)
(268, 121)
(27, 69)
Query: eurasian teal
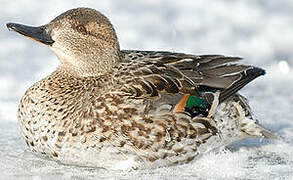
(129, 109)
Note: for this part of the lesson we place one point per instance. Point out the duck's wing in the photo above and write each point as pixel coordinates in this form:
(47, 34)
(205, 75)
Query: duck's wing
(174, 72)
(157, 73)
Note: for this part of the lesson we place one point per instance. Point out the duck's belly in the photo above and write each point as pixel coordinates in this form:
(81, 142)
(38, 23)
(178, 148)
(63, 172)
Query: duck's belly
(78, 141)
(116, 138)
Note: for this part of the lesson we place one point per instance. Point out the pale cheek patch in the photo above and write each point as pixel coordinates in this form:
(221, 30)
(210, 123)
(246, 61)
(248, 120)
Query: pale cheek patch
(62, 45)
(63, 57)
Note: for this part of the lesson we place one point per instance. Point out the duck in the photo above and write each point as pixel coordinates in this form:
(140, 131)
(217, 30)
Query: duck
(130, 109)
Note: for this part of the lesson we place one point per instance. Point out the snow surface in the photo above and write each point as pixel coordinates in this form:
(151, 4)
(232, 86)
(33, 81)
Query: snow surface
(259, 30)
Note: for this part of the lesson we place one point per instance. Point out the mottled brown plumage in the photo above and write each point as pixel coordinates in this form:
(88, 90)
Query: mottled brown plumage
(114, 109)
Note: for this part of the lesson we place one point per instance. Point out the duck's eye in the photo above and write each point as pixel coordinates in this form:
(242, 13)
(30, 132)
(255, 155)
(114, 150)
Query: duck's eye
(81, 28)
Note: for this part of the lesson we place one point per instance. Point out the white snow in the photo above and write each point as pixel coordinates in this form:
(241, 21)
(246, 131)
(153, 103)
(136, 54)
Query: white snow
(261, 31)
(284, 67)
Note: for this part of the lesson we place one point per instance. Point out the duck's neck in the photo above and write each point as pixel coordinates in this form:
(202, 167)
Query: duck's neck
(84, 71)
(94, 63)
(64, 75)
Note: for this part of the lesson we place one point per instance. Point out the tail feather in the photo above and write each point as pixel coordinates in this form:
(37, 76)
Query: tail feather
(247, 123)
(246, 77)
(267, 133)
(255, 130)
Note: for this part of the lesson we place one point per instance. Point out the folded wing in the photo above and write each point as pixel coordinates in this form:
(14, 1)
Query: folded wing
(157, 73)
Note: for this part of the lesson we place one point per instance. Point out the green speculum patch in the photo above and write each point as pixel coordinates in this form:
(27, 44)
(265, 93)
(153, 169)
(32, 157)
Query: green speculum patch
(196, 105)
(195, 101)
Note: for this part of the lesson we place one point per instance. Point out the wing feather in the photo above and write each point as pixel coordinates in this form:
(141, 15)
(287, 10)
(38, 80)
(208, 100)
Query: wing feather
(173, 73)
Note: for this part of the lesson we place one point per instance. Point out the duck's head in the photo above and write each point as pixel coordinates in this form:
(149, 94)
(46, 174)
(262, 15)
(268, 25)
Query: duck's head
(83, 39)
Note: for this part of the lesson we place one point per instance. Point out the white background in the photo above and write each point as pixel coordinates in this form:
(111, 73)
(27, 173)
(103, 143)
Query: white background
(261, 31)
